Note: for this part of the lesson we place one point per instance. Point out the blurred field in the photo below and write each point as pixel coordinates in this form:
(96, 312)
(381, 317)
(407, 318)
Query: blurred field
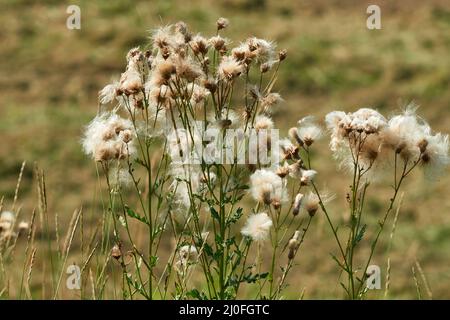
(50, 76)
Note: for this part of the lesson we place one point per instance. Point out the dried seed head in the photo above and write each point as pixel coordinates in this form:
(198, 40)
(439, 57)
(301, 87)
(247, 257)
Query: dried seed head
(23, 226)
(165, 70)
(312, 211)
(291, 254)
(116, 252)
(162, 37)
(311, 204)
(104, 134)
(182, 28)
(264, 67)
(312, 201)
(239, 53)
(218, 43)
(126, 135)
(297, 204)
(187, 69)
(288, 150)
(293, 245)
(422, 145)
(295, 169)
(263, 123)
(282, 171)
(276, 204)
(188, 253)
(282, 54)
(309, 131)
(229, 68)
(257, 227)
(165, 53)
(307, 177)
(293, 134)
(7, 217)
(222, 23)
(270, 100)
(400, 147)
(266, 197)
(103, 153)
(210, 84)
(425, 157)
(268, 188)
(199, 45)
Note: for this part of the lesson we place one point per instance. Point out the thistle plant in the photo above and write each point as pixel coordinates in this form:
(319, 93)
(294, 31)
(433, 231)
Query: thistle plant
(189, 155)
(368, 145)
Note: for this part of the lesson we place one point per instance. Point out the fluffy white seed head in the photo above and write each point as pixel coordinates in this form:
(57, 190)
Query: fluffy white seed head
(293, 134)
(288, 150)
(307, 177)
(222, 23)
(108, 93)
(257, 227)
(163, 37)
(263, 122)
(282, 170)
(358, 138)
(199, 45)
(188, 253)
(262, 50)
(219, 43)
(435, 156)
(308, 130)
(270, 100)
(268, 188)
(108, 137)
(229, 68)
(7, 219)
(23, 226)
(311, 203)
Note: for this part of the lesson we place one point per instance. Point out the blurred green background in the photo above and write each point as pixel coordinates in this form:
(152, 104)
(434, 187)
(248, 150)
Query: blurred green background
(50, 76)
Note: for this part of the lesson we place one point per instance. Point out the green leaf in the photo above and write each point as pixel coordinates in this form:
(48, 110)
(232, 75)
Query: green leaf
(252, 278)
(194, 293)
(136, 285)
(214, 213)
(235, 217)
(360, 234)
(208, 250)
(134, 215)
(153, 261)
